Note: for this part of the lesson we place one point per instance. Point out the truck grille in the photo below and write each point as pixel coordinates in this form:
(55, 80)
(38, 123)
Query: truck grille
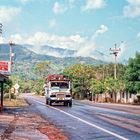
(61, 96)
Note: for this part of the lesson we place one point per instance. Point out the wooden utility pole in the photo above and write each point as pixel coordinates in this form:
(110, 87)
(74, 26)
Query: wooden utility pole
(11, 45)
(115, 52)
(0, 28)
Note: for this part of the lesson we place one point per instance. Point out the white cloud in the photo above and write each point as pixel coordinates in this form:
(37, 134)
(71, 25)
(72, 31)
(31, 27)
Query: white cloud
(132, 10)
(85, 46)
(77, 39)
(93, 5)
(101, 30)
(75, 42)
(17, 38)
(58, 8)
(1, 39)
(134, 2)
(43, 38)
(87, 49)
(39, 38)
(8, 13)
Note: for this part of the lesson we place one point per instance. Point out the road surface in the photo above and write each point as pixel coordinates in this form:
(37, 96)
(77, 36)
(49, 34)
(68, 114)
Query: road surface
(89, 121)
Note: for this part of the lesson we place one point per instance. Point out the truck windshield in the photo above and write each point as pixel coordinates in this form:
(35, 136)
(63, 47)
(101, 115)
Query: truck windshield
(64, 85)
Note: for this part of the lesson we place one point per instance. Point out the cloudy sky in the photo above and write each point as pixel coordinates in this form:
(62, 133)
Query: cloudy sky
(83, 25)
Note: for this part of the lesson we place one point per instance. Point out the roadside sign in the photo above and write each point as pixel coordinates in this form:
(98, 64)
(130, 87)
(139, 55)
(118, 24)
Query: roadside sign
(5, 67)
(16, 86)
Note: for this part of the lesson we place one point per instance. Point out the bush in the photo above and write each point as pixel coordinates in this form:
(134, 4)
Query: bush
(6, 95)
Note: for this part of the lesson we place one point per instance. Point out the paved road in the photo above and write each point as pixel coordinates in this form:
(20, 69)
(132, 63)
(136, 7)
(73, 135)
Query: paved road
(89, 121)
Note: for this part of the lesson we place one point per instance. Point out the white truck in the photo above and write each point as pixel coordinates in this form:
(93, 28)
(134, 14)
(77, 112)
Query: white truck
(58, 89)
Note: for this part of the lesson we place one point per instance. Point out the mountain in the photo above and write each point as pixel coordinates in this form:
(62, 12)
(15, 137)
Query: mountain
(58, 52)
(51, 51)
(24, 60)
(23, 53)
(61, 52)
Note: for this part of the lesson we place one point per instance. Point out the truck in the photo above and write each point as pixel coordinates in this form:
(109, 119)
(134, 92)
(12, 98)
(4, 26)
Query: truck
(58, 89)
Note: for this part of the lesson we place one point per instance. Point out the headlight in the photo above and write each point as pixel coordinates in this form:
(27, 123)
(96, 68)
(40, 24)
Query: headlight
(68, 95)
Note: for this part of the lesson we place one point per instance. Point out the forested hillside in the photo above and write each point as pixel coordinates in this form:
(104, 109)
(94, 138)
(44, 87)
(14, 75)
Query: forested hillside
(25, 60)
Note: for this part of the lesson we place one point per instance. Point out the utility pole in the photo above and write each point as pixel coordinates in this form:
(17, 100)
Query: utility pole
(1, 28)
(11, 44)
(115, 52)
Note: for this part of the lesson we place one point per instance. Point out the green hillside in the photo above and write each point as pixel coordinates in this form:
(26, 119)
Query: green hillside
(25, 60)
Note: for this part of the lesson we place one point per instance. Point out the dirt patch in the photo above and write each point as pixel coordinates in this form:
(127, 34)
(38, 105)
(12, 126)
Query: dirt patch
(52, 132)
(26, 123)
(14, 103)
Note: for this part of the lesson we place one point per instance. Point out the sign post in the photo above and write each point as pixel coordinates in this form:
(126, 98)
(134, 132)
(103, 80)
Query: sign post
(16, 86)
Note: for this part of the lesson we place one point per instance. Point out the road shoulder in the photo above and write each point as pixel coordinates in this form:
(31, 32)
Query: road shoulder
(21, 121)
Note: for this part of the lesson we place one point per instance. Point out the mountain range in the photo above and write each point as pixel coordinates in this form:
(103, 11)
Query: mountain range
(25, 53)
(24, 59)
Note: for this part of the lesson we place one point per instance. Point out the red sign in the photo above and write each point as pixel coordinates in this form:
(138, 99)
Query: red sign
(4, 66)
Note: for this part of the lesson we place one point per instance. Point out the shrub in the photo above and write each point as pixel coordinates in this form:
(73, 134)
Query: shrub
(6, 95)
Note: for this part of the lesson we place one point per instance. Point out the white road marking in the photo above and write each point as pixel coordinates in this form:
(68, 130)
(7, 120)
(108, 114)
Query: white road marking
(86, 122)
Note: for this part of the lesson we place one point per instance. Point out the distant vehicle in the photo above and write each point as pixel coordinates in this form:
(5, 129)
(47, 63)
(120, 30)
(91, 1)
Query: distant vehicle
(58, 89)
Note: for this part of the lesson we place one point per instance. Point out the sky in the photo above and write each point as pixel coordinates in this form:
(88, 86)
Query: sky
(82, 25)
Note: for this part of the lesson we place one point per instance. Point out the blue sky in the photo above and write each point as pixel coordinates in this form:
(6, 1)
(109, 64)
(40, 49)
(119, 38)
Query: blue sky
(83, 25)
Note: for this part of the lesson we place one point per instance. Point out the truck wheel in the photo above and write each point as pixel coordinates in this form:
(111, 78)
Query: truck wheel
(46, 101)
(65, 103)
(70, 103)
(50, 102)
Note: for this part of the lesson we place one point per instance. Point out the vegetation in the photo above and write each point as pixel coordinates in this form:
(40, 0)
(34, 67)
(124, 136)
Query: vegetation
(29, 85)
(42, 68)
(132, 74)
(80, 75)
(99, 79)
(87, 80)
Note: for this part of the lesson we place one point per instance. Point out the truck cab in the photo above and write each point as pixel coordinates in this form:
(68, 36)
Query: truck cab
(58, 89)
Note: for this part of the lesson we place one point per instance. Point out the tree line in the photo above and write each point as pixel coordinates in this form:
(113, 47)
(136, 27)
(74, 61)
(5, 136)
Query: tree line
(87, 80)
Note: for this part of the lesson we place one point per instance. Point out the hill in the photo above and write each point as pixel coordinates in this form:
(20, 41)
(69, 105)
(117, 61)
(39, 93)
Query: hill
(25, 59)
(22, 53)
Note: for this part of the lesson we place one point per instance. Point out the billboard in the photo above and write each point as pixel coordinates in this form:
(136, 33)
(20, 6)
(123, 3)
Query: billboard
(5, 67)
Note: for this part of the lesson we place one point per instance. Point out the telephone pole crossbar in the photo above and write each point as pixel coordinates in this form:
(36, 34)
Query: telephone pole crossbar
(115, 52)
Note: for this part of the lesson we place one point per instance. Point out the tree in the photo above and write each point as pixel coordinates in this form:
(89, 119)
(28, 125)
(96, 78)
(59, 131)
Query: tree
(97, 86)
(132, 74)
(43, 68)
(80, 75)
(7, 85)
(38, 86)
